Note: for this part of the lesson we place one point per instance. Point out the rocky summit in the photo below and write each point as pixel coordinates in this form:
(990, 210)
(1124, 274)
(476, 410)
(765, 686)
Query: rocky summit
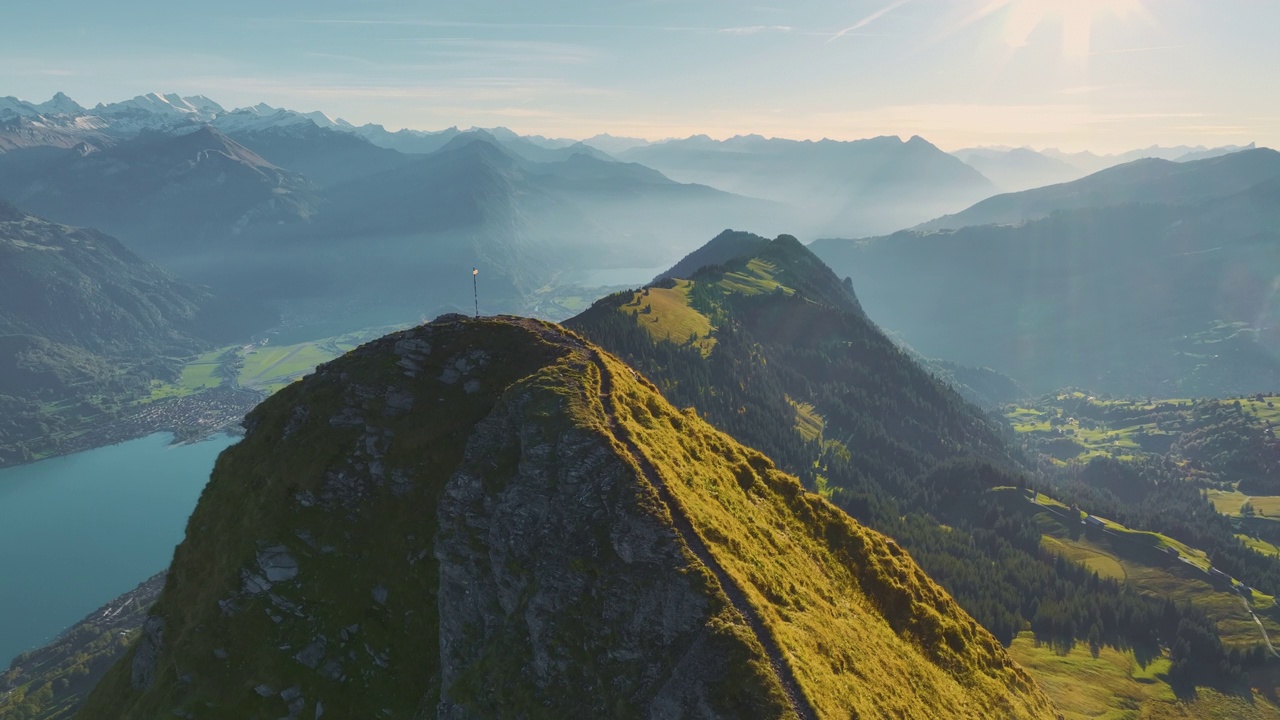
(492, 518)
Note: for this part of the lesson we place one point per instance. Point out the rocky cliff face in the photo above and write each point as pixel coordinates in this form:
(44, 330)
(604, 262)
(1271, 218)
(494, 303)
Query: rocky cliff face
(492, 518)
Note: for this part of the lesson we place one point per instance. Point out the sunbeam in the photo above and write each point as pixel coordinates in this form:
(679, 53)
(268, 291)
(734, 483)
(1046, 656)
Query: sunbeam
(1076, 18)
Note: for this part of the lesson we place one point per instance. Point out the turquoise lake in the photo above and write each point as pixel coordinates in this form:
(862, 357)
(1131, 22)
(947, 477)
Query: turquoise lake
(79, 530)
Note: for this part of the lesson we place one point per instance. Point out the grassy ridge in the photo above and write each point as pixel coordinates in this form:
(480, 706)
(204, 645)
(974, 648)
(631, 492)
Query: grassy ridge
(867, 633)
(840, 598)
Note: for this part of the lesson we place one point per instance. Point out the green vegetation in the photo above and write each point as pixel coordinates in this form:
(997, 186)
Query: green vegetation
(755, 276)
(1236, 504)
(1075, 426)
(52, 682)
(839, 598)
(87, 329)
(1107, 685)
(863, 629)
(891, 452)
(808, 422)
(259, 366)
(208, 370)
(666, 315)
(1144, 561)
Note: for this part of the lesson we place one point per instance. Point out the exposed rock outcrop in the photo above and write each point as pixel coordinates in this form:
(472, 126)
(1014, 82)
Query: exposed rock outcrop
(491, 518)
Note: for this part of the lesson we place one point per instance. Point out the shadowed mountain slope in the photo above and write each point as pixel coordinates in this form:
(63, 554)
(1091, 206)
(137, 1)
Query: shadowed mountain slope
(1150, 181)
(493, 518)
(1173, 300)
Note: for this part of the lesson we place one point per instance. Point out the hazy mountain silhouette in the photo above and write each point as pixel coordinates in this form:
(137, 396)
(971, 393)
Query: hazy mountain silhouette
(1150, 181)
(850, 188)
(1017, 169)
(1164, 285)
(164, 192)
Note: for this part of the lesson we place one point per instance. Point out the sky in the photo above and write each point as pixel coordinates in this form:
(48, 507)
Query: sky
(1105, 75)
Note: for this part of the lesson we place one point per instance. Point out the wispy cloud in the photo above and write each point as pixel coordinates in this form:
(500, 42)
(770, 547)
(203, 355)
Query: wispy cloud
(869, 19)
(755, 29)
(514, 51)
(480, 24)
(1125, 51)
(1085, 89)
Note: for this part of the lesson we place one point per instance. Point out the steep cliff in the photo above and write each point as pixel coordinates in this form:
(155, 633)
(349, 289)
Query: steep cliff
(493, 518)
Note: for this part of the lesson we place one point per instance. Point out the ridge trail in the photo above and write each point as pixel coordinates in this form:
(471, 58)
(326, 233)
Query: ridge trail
(684, 527)
(796, 699)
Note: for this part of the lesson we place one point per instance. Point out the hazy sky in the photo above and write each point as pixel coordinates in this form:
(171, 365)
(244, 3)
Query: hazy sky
(1100, 74)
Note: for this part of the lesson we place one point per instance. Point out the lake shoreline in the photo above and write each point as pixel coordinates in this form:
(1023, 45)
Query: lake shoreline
(122, 509)
(189, 419)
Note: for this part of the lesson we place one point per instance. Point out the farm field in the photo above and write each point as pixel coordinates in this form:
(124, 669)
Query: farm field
(260, 367)
(202, 373)
(1072, 426)
(270, 368)
(1142, 559)
(1114, 685)
(1230, 502)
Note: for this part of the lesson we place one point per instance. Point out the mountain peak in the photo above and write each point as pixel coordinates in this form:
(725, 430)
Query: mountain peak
(728, 245)
(9, 213)
(60, 104)
(495, 491)
(476, 142)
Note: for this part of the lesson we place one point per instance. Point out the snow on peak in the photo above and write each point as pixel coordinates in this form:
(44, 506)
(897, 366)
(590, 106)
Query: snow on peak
(60, 104)
(11, 106)
(321, 119)
(204, 104)
(168, 112)
(260, 117)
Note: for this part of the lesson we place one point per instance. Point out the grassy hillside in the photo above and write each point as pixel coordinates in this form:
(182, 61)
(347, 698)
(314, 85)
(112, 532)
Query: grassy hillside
(1146, 561)
(52, 682)
(798, 370)
(839, 597)
(387, 480)
(1115, 685)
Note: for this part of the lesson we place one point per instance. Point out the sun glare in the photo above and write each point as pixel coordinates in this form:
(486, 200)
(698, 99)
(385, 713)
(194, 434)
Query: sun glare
(1076, 18)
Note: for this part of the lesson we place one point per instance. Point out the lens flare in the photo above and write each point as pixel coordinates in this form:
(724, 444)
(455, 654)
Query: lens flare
(1076, 18)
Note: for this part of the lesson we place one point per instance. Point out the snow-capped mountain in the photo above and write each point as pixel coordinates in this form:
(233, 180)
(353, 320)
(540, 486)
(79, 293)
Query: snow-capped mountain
(169, 113)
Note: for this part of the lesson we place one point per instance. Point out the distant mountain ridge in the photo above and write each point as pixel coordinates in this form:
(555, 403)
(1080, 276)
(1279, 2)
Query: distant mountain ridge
(158, 187)
(1017, 169)
(1152, 181)
(859, 187)
(1152, 278)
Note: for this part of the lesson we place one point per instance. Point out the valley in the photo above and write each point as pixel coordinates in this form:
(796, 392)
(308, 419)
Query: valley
(990, 435)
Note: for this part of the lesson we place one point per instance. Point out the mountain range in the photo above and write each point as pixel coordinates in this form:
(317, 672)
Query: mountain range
(85, 325)
(1016, 169)
(281, 206)
(1153, 277)
(1149, 181)
(857, 188)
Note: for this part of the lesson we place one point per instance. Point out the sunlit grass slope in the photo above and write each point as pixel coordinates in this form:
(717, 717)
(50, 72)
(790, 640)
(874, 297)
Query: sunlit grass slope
(866, 633)
(1115, 686)
(666, 315)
